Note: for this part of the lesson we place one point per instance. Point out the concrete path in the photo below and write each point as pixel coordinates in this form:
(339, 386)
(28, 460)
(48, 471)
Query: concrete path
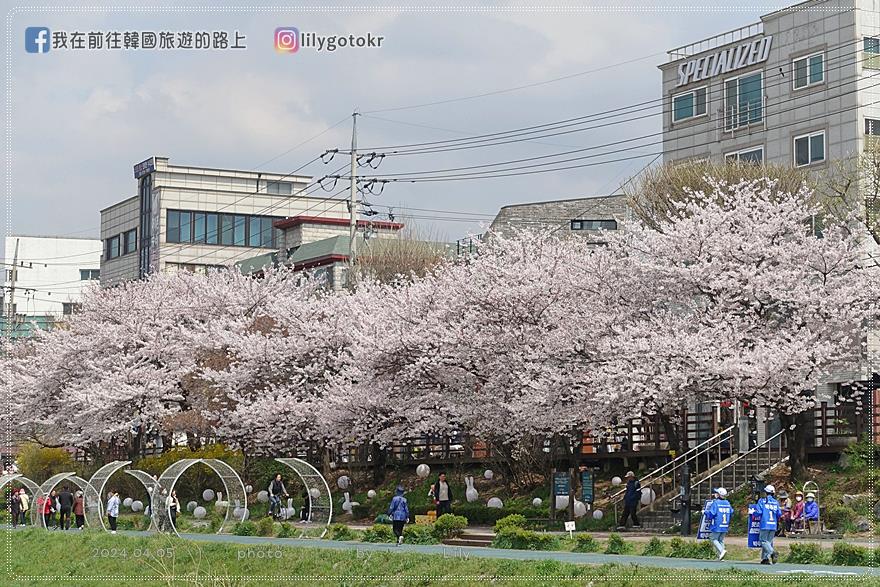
(361, 548)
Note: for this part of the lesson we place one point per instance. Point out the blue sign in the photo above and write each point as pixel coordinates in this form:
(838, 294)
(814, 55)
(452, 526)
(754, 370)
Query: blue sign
(703, 532)
(754, 528)
(561, 484)
(144, 168)
(587, 488)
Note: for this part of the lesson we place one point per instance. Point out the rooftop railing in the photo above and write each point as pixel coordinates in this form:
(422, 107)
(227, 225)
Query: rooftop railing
(716, 41)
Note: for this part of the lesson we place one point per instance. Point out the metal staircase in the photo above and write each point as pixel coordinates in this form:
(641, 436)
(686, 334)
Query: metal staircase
(713, 463)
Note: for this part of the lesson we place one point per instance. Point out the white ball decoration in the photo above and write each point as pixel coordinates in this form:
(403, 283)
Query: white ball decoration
(561, 502)
(127, 502)
(423, 471)
(597, 515)
(200, 512)
(343, 482)
(137, 506)
(208, 494)
(371, 493)
(190, 506)
(315, 492)
(495, 503)
(580, 509)
(488, 474)
(263, 496)
(648, 496)
(248, 488)
(537, 502)
(616, 481)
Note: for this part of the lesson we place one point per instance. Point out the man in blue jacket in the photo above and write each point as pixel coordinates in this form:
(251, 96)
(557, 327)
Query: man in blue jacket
(399, 512)
(718, 515)
(631, 499)
(767, 510)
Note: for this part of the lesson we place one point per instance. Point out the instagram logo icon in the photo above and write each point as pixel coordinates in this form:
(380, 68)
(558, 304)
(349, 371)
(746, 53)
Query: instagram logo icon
(287, 39)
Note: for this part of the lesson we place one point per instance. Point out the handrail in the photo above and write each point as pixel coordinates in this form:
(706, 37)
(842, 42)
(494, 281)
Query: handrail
(685, 455)
(741, 456)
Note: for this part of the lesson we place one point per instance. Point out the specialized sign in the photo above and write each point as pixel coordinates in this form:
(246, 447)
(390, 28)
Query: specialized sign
(587, 486)
(561, 483)
(724, 61)
(703, 531)
(754, 528)
(144, 168)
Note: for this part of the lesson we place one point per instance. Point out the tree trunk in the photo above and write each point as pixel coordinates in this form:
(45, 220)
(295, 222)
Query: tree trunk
(378, 464)
(796, 441)
(673, 435)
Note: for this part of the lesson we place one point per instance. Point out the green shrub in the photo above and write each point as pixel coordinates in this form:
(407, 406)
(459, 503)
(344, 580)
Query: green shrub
(807, 554)
(617, 545)
(265, 527)
(511, 521)
(37, 462)
(839, 517)
(477, 513)
(520, 539)
(850, 555)
(654, 547)
(378, 533)
(585, 543)
(420, 533)
(341, 532)
(449, 526)
(245, 528)
(286, 530)
(701, 549)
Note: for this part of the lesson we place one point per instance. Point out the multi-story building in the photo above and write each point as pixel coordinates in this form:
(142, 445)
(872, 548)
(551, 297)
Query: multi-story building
(190, 218)
(44, 277)
(583, 216)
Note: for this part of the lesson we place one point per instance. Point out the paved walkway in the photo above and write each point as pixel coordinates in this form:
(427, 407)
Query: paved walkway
(500, 553)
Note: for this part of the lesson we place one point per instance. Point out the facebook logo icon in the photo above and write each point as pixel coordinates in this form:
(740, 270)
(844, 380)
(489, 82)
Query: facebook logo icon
(36, 39)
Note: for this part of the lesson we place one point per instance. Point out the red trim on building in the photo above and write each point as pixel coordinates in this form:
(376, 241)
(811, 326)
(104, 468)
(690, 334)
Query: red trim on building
(297, 220)
(326, 260)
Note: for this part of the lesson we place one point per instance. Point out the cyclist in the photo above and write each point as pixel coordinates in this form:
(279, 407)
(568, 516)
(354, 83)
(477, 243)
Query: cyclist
(276, 492)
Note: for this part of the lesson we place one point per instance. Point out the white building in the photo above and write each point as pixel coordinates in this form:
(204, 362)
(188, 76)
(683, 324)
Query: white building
(51, 274)
(189, 218)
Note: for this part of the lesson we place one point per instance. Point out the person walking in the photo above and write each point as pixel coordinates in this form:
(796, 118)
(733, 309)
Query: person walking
(45, 509)
(631, 499)
(718, 515)
(15, 508)
(173, 507)
(276, 492)
(767, 511)
(399, 512)
(79, 510)
(305, 512)
(25, 505)
(442, 495)
(113, 510)
(65, 507)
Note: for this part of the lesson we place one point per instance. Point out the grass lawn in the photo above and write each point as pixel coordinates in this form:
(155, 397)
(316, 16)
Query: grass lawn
(95, 558)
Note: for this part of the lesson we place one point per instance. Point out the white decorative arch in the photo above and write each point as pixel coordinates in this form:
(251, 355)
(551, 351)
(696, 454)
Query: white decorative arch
(232, 484)
(91, 499)
(321, 507)
(150, 484)
(31, 486)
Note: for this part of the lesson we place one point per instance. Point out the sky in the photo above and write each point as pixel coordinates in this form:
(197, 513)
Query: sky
(77, 121)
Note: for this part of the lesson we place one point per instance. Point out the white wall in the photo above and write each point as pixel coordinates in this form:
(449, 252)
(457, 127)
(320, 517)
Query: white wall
(51, 266)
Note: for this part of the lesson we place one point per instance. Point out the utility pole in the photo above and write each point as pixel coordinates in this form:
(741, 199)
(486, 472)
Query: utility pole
(10, 307)
(352, 203)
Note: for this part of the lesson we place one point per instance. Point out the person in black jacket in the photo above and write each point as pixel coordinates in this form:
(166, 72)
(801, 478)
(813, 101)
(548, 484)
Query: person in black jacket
(441, 491)
(631, 500)
(65, 506)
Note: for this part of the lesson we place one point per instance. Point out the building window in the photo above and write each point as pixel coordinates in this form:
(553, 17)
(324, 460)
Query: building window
(280, 188)
(872, 53)
(594, 224)
(872, 133)
(809, 149)
(112, 247)
(237, 230)
(748, 155)
(89, 274)
(68, 308)
(809, 70)
(129, 241)
(743, 101)
(689, 105)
